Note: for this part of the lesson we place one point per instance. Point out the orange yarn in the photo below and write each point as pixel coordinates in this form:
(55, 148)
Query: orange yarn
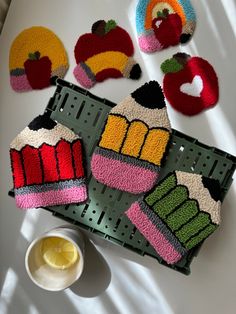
(174, 4)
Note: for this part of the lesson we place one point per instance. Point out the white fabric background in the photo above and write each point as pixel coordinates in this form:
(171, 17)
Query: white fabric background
(135, 284)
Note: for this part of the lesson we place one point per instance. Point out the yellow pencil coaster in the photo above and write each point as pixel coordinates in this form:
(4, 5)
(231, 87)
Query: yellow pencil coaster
(134, 142)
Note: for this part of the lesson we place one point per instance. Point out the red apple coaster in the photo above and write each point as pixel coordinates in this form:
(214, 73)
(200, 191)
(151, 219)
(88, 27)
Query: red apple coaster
(190, 84)
(167, 28)
(105, 53)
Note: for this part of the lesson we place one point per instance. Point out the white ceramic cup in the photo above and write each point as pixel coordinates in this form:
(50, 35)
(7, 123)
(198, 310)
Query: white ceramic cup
(47, 277)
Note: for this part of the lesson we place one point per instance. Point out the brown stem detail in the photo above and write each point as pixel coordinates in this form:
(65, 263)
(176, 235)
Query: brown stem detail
(98, 28)
(182, 58)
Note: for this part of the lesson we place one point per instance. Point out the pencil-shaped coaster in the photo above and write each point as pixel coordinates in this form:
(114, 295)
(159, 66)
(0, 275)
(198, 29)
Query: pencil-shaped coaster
(134, 141)
(178, 214)
(47, 165)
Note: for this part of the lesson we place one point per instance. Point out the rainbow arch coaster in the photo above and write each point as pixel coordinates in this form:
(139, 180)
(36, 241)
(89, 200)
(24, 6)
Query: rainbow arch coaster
(36, 55)
(164, 23)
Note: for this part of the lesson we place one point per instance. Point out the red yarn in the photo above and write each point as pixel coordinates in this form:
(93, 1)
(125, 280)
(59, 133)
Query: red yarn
(17, 169)
(90, 44)
(64, 157)
(169, 31)
(32, 166)
(108, 73)
(187, 104)
(49, 163)
(38, 72)
(78, 159)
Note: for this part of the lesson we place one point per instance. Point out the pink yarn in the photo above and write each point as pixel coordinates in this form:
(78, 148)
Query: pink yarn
(149, 43)
(82, 77)
(162, 246)
(121, 175)
(49, 198)
(20, 83)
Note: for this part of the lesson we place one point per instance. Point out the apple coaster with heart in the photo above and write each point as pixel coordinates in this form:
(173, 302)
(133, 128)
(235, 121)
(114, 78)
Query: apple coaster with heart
(190, 84)
(106, 52)
(164, 23)
(36, 55)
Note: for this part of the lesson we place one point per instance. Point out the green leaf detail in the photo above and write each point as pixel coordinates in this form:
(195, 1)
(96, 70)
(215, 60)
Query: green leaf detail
(31, 56)
(163, 14)
(171, 66)
(34, 56)
(160, 14)
(111, 24)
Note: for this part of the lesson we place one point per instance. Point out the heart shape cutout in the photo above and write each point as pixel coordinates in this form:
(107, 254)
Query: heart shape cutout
(193, 89)
(158, 23)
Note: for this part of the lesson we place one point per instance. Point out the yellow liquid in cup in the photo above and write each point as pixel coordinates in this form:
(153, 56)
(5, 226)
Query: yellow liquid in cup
(59, 253)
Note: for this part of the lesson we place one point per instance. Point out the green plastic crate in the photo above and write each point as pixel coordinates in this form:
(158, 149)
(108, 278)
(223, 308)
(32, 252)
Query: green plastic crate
(103, 215)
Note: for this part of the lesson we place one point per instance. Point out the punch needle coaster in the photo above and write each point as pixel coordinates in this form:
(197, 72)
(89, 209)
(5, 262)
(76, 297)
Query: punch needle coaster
(36, 55)
(164, 23)
(47, 165)
(134, 142)
(178, 214)
(190, 84)
(105, 53)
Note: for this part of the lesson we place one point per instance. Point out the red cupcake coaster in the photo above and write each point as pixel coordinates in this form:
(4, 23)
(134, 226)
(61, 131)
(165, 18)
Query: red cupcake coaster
(190, 84)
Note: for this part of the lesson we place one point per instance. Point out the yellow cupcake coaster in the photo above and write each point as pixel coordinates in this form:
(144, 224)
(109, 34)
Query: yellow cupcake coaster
(36, 55)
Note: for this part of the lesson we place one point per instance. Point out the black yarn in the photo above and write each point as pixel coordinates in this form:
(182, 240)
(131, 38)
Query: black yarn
(135, 72)
(150, 95)
(184, 38)
(42, 122)
(213, 187)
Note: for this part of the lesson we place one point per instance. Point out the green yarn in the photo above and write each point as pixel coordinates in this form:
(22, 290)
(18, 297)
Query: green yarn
(192, 227)
(201, 236)
(171, 66)
(168, 203)
(182, 215)
(168, 184)
(111, 24)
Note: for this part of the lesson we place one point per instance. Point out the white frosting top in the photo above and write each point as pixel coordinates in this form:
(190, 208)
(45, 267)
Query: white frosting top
(37, 138)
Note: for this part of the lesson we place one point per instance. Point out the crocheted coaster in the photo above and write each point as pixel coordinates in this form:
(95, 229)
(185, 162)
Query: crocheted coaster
(134, 141)
(178, 214)
(36, 55)
(164, 23)
(105, 53)
(190, 84)
(47, 167)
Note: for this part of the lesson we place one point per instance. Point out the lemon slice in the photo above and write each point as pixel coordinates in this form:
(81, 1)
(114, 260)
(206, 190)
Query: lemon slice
(58, 252)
